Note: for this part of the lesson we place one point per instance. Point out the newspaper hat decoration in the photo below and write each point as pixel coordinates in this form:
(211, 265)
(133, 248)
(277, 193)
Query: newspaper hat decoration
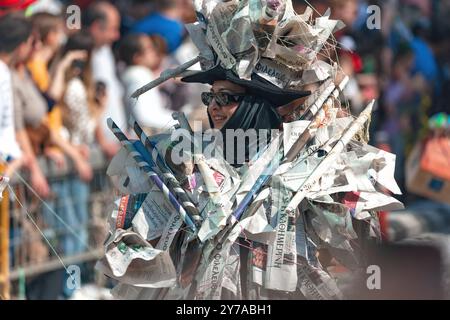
(262, 45)
(257, 86)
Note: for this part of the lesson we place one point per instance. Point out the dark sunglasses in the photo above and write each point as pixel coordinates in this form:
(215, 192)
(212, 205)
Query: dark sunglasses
(222, 98)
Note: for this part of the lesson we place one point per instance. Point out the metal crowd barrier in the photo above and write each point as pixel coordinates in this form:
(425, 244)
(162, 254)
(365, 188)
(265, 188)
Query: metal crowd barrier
(33, 245)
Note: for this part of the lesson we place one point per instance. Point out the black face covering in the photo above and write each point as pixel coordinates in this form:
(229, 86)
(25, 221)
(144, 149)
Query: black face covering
(252, 113)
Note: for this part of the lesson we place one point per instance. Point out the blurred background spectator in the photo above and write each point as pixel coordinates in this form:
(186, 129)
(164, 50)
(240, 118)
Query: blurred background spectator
(102, 20)
(138, 51)
(15, 42)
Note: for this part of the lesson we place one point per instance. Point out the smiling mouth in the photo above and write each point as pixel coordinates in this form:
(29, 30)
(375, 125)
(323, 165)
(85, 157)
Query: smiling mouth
(219, 118)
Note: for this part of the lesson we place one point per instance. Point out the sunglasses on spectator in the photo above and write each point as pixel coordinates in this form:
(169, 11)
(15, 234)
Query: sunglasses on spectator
(222, 98)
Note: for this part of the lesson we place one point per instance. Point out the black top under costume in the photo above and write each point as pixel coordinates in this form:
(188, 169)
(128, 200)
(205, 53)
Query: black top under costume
(252, 113)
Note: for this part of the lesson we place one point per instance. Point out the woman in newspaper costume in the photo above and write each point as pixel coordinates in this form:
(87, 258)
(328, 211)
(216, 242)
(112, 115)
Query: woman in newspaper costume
(265, 222)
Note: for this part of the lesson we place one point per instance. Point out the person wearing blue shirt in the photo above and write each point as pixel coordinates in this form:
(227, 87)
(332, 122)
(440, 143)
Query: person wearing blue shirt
(163, 23)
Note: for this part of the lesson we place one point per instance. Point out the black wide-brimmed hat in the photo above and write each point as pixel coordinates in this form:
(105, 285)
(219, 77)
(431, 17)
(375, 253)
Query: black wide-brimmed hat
(257, 86)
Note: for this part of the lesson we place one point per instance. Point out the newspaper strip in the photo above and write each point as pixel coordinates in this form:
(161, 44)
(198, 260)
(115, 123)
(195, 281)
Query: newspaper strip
(221, 181)
(241, 41)
(276, 73)
(295, 42)
(282, 254)
(255, 226)
(300, 236)
(199, 38)
(173, 225)
(295, 177)
(127, 207)
(316, 284)
(132, 260)
(220, 12)
(231, 273)
(382, 167)
(264, 21)
(336, 217)
(210, 286)
(152, 217)
(292, 131)
(258, 167)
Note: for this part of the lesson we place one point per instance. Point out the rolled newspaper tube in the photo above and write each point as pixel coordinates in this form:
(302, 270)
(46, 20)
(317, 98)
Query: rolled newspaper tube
(149, 145)
(168, 176)
(199, 159)
(166, 75)
(314, 102)
(312, 112)
(330, 90)
(151, 174)
(324, 165)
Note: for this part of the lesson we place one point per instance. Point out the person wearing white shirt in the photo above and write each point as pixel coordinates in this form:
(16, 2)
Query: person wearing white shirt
(9, 146)
(104, 70)
(140, 56)
(102, 20)
(15, 43)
